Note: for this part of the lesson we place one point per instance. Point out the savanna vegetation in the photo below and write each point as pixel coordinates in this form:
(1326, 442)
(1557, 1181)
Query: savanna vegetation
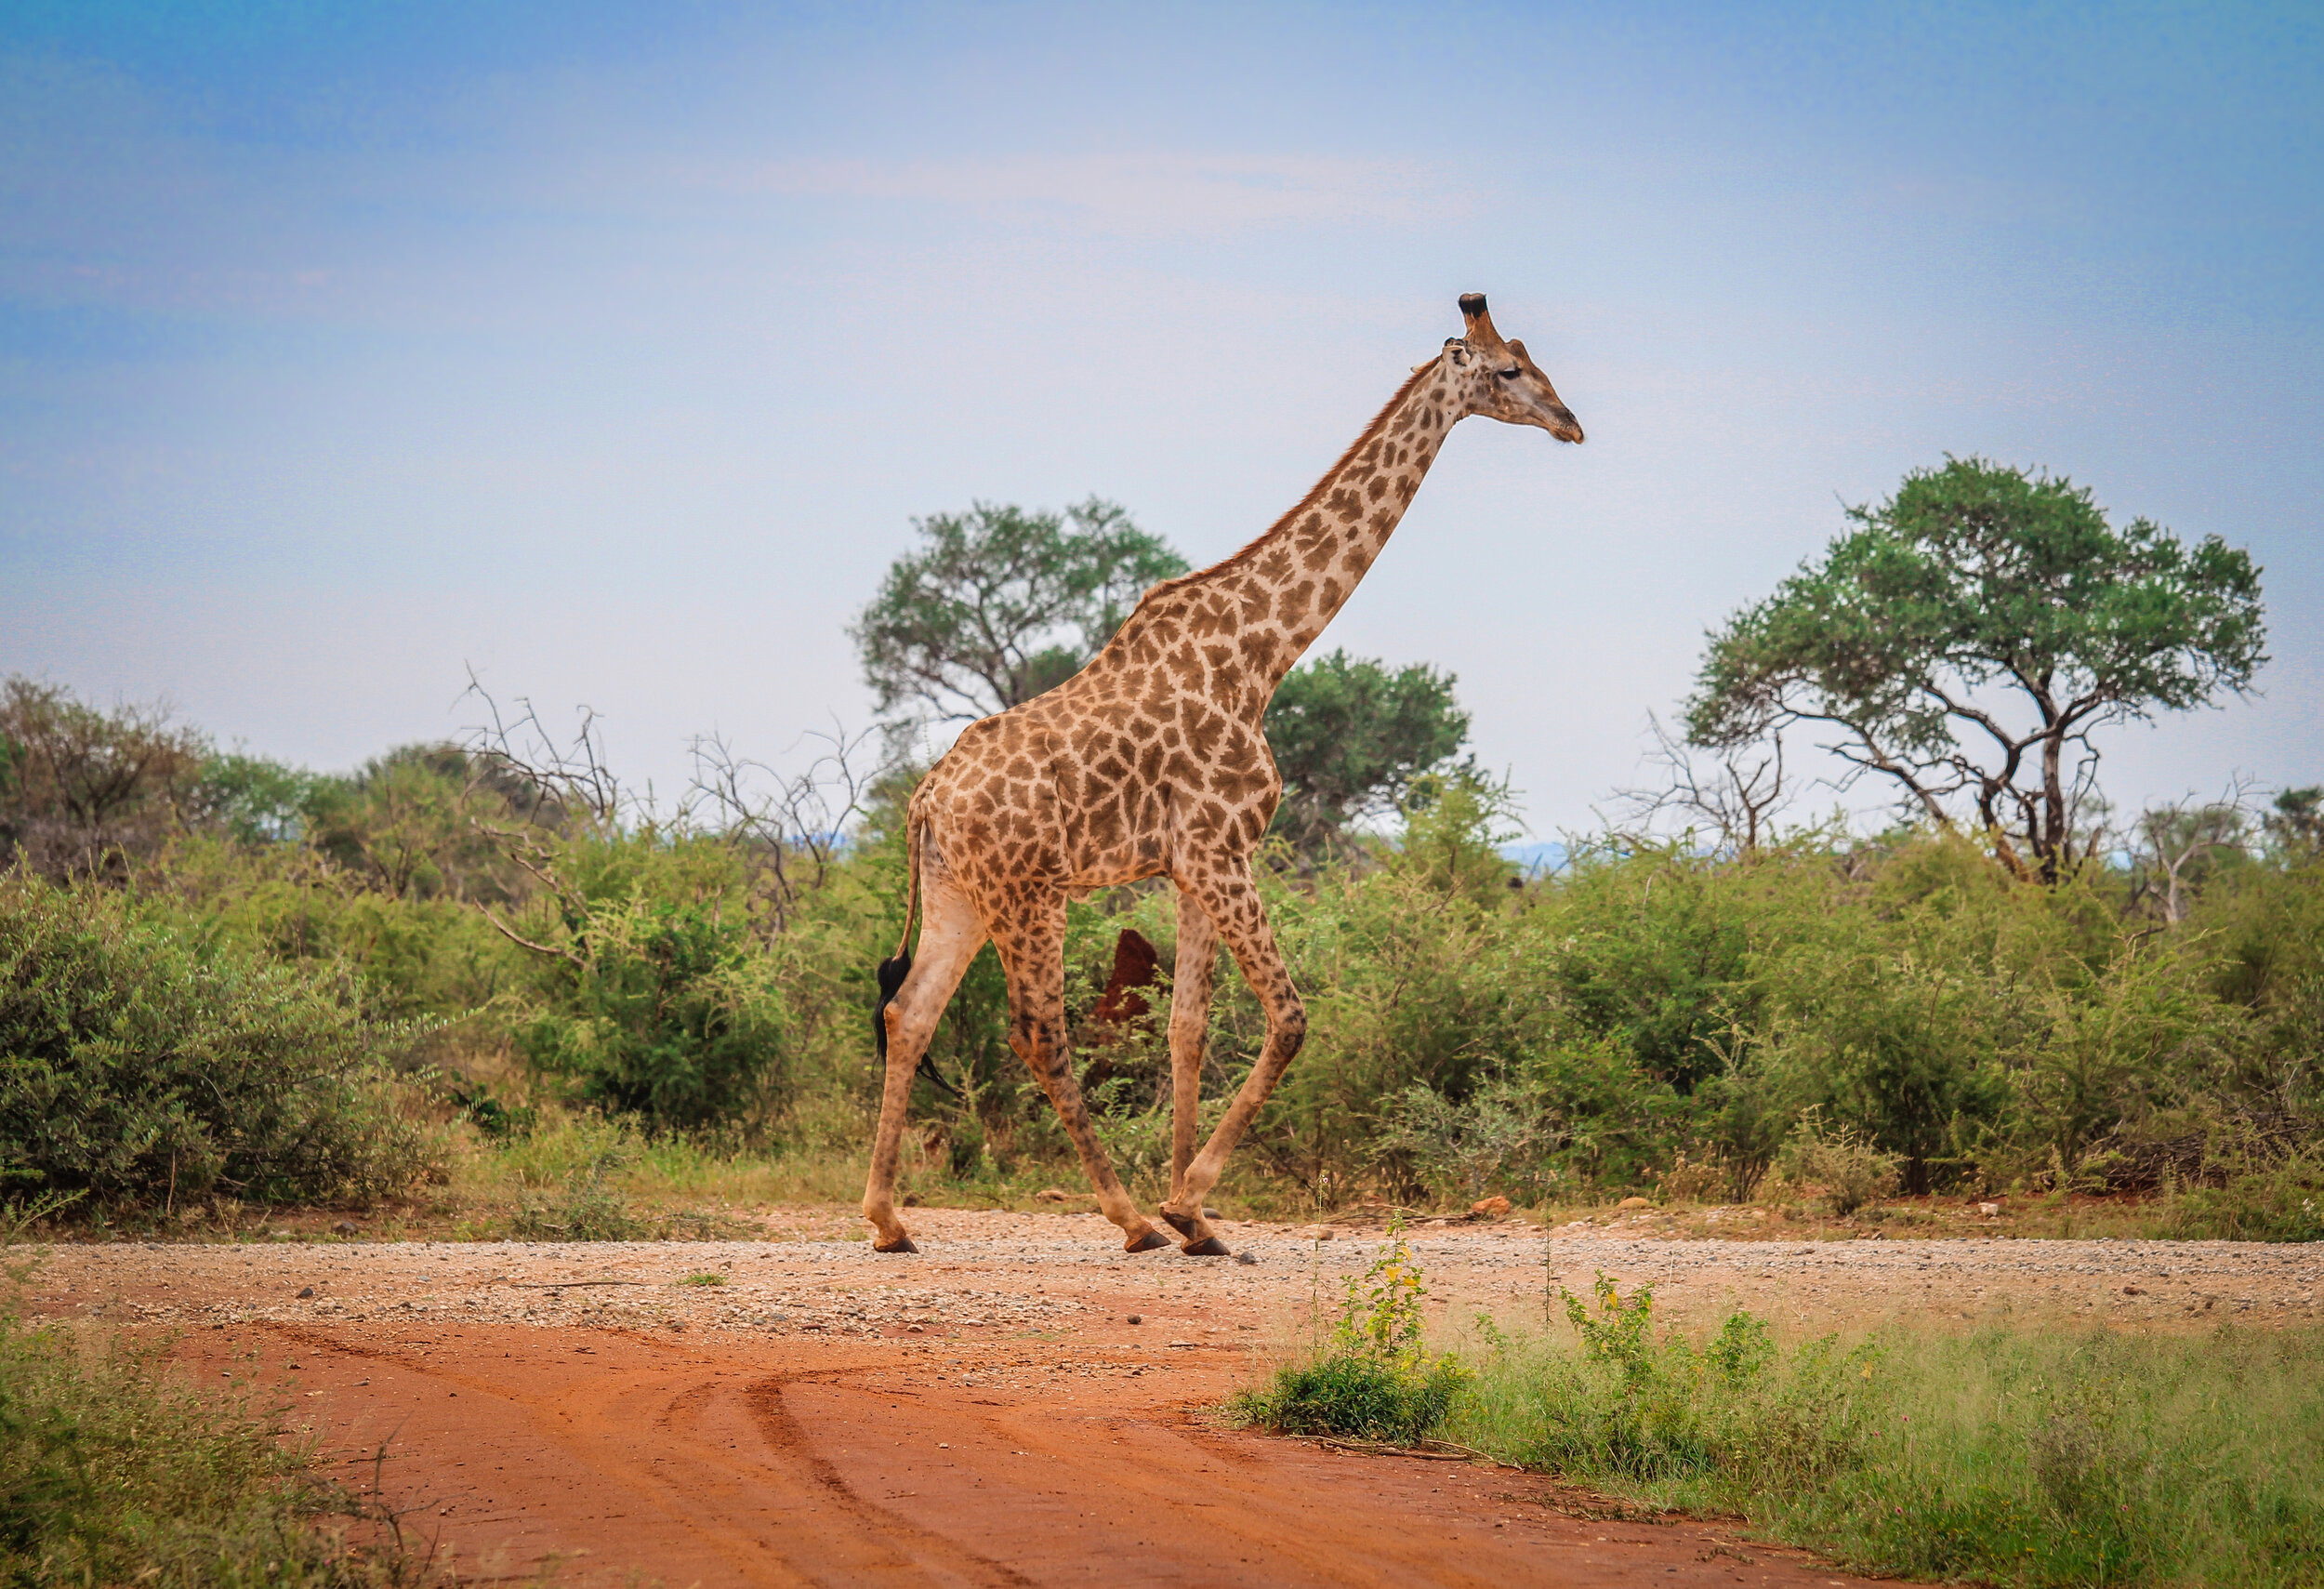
(2021, 1454)
(487, 971)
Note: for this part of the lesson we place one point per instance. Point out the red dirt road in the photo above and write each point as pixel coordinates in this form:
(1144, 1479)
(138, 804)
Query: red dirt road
(805, 1410)
(718, 1463)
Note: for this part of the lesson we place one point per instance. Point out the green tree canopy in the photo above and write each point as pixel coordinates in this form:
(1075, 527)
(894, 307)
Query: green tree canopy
(84, 789)
(998, 604)
(1970, 634)
(1349, 737)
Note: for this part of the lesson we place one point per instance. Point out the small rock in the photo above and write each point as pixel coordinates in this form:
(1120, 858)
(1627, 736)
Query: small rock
(1316, 1233)
(2133, 1291)
(1635, 1203)
(344, 1228)
(306, 1290)
(1246, 1256)
(1135, 1319)
(1049, 1195)
(1212, 1213)
(1491, 1208)
(911, 1199)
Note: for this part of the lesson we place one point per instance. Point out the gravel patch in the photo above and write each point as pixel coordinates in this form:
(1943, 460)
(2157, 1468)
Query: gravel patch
(999, 1275)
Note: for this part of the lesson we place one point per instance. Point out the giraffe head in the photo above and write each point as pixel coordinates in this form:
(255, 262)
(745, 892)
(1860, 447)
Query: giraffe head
(1500, 379)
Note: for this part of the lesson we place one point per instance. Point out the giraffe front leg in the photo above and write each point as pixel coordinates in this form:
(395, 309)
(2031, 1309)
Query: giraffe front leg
(1192, 982)
(1231, 899)
(951, 932)
(1032, 951)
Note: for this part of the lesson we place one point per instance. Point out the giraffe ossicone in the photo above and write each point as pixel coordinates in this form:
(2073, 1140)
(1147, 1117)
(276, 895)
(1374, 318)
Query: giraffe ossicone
(1152, 762)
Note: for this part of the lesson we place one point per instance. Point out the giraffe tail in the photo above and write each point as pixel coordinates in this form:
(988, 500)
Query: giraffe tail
(893, 969)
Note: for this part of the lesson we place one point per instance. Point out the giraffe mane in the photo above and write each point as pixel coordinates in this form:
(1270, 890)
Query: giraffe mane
(1314, 491)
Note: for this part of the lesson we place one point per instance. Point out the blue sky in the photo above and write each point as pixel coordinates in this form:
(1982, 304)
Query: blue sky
(610, 351)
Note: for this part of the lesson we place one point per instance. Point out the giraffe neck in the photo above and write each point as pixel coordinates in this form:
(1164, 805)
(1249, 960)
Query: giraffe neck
(1293, 580)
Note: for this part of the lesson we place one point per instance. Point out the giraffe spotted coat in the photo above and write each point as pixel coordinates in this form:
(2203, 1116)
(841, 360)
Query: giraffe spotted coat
(1152, 762)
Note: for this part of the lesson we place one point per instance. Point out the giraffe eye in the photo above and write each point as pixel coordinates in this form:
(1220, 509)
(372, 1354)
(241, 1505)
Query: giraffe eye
(1511, 372)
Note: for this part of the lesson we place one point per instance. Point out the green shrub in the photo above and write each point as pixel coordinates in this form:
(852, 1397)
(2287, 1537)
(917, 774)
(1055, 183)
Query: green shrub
(2282, 1201)
(1639, 1407)
(1375, 1379)
(1356, 1396)
(1458, 1149)
(143, 1068)
(1849, 1172)
(666, 1010)
(1652, 1017)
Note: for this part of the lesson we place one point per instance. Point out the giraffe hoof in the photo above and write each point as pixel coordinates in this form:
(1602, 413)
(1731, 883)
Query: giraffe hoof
(1209, 1247)
(900, 1244)
(1146, 1243)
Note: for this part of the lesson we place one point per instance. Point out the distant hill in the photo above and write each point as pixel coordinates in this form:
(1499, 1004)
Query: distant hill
(1543, 856)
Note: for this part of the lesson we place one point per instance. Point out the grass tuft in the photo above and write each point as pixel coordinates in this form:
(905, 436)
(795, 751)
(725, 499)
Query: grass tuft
(1375, 1379)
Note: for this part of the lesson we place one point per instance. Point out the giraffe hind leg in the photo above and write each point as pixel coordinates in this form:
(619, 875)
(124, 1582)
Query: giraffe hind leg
(951, 932)
(1032, 945)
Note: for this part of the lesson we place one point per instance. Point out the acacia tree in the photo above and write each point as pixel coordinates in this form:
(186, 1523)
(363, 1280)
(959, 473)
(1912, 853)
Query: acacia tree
(83, 790)
(2296, 822)
(1969, 636)
(1349, 737)
(998, 604)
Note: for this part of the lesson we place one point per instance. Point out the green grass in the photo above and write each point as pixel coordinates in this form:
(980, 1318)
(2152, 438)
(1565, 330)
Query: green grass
(115, 1470)
(2028, 1457)
(2037, 1456)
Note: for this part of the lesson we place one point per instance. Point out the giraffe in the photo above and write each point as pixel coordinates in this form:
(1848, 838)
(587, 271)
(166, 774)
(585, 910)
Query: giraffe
(1152, 762)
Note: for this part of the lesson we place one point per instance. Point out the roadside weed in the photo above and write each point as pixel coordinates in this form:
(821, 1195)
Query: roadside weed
(1375, 1379)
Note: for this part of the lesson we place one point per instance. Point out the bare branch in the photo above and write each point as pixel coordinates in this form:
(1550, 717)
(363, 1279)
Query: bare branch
(1740, 798)
(523, 943)
(574, 771)
(2176, 837)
